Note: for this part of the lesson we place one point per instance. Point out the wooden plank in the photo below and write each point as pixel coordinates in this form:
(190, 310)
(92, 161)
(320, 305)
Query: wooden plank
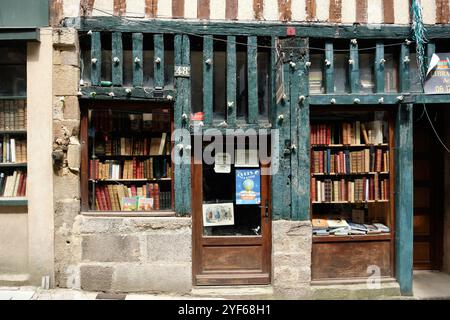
(120, 93)
(208, 78)
(404, 198)
(231, 9)
(335, 12)
(404, 68)
(186, 164)
(361, 11)
(138, 59)
(252, 75)
(349, 99)
(117, 58)
(203, 9)
(329, 70)
(231, 81)
(151, 8)
(120, 7)
(178, 124)
(379, 67)
(354, 68)
(96, 56)
(310, 10)
(258, 9)
(302, 191)
(442, 11)
(272, 75)
(284, 10)
(388, 11)
(252, 28)
(177, 8)
(158, 40)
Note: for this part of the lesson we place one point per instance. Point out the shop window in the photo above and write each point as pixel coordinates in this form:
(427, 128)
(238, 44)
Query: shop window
(390, 70)
(351, 193)
(366, 72)
(13, 124)
(220, 81)
(241, 80)
(316, 85)
(106, 70)
(415, 83)
(129, 158)
(341, 84)
(263, 62)
(196, 77)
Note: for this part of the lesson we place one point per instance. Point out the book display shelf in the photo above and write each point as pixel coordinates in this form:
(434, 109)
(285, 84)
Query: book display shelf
(13, 152)
(352, 193)
(129, 159)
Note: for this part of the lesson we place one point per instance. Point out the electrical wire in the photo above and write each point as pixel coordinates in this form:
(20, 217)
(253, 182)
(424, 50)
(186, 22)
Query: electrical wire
(171, 30)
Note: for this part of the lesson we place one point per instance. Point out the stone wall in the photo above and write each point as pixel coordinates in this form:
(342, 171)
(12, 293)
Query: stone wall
(66, 124)
(291, 258)
(145, 254)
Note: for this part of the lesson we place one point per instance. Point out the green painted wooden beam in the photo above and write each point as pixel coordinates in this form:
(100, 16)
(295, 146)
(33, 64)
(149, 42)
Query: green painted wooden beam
(231, 105)
(404, 198)
(357, 99)
(303, 212)
(379, 67)
(354, 68)
(272, 77)
(252, 71)
(319, 30)
(138, 59)
(404, 68)
(96, 58)
(178, 123)
(329, 67)
(120, 93)
(159, 60)
(117, 59)
(208, 80)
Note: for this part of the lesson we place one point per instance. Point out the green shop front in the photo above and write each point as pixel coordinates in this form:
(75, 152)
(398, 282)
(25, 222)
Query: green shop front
(319, 117)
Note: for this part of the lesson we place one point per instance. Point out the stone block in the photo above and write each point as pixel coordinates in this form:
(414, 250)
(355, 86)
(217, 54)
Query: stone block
(57, 57)
(70, 58)
(173, 278)
(96, 225)
(65, 129)
(66, 211)
(110, 248)
(66, 186)
(65, 80)
(74, 157)
(65, 37)
(169, 246)
(71, 109)
(96, 278)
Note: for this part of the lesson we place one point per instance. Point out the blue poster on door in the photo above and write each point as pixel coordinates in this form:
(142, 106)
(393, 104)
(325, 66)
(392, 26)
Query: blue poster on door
(248, 186)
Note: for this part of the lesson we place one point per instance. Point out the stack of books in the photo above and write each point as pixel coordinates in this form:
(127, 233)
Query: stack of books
(153, 168)
(14, 185)
(324, 227)
(348, 133)
(123, 198)
(135, 146)
(13, 150)
(13, 115)
(344, 161)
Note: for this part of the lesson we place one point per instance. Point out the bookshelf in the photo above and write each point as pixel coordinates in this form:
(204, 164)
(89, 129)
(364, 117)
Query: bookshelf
(351, 192)
(13, 152)
(129, 160)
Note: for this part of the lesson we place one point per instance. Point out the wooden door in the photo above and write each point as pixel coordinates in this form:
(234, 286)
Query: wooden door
(239, 258)
(428, 193)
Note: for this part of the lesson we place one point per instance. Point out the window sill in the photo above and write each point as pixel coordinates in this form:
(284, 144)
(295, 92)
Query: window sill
(135, 214)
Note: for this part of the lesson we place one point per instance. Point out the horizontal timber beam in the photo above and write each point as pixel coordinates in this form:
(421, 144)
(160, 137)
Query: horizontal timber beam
(119, 93)
(178, 26)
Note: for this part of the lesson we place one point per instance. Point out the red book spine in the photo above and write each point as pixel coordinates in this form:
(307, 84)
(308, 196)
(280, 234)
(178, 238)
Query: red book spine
(98, 196)
(156, 193)
(133, 191)
(328, 135)
(313, 189)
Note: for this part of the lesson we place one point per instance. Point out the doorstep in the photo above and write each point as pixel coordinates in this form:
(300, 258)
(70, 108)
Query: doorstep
(14, 280)
(351, 289)
(234, 292)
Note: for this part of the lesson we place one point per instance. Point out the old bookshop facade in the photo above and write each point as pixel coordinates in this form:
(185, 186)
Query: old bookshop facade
(292, 153)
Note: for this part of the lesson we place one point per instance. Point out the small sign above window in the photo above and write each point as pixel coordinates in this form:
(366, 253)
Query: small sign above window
(438, 77)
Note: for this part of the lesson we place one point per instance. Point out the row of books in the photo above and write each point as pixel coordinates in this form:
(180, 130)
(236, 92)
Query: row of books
(135, 146)
(323, 227)
(13, 150)
(14, 185)
(109, 120)
(357, 190)
(13, 115)
(344, 161)
(153, 168)
(122, 198)
(348, 133)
